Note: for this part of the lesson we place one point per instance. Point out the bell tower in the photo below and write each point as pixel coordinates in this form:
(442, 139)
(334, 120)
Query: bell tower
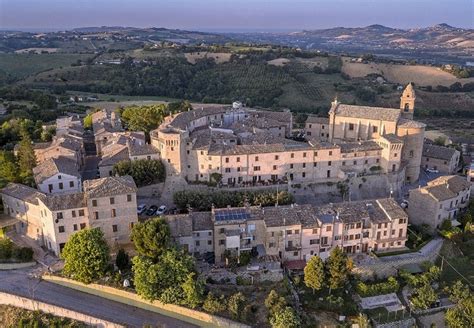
(407, 102)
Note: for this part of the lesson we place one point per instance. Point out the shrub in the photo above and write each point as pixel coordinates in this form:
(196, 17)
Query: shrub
(366, 290)
(212, 304)
(6, 248)
(24, 254)
(236, 305)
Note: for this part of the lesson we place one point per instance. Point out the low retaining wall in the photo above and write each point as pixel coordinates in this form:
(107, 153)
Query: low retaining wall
(29, 304)
(14, 266)
(175, 311)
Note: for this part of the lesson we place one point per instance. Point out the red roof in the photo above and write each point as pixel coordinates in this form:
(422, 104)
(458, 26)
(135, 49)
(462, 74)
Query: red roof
(295, 264)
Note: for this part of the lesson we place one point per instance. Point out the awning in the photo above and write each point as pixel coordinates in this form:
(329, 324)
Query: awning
(455, 223)
(7, 221)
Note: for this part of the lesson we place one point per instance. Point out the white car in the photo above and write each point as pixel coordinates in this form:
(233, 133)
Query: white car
(141, 208)
(432, 171)
(161, 210)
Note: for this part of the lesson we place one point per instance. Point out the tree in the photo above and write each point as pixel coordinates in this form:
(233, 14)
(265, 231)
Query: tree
(363, 321)
(122, 260)
(462, 314)
(151, 238)
(423, 297)
(236, 305)
(314, 276)
(8, 168)
(193, 290)
(86, 255)
(163, 279)
(212, 304)
(338, 267)
(287, 318)
(26, 158)
(143, 171)
(144, 118)
(274, 303)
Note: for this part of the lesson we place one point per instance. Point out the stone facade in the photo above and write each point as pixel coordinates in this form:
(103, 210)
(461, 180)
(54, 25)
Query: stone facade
(442, 199)
(296, 232)
(108, 204)
(246, 146)
(440, 158)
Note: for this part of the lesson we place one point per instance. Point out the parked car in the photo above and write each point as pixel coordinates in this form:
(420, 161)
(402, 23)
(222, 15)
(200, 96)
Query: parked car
(161, 210)
(432, 171)
(141, 209)
(152, 210)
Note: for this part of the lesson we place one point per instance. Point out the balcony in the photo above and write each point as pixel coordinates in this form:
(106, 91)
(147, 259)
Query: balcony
(245, 245)
(292, 248)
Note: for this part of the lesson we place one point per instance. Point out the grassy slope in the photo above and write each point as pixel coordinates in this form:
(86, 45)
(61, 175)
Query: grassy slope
(11, 317)
(23, 65)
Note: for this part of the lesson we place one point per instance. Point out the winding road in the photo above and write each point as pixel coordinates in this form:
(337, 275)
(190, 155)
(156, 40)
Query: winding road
(21, 282)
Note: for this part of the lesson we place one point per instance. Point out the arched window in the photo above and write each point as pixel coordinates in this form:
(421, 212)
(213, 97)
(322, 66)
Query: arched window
(407, 107)
(411, 153)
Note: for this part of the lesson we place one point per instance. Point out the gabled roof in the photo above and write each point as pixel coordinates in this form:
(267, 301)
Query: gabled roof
(439, 152)
(367, 112)
(317, 119)
(59, 202)
(114, 154)
(109, 186)
(22, 192)
(53, 166)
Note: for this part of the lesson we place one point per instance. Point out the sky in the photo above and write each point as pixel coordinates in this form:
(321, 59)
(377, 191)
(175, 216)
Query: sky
(234, 15)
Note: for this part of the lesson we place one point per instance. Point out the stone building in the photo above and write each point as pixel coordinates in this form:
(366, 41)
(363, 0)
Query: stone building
(108, 204)
(294, 232)
(247, 146)
(58, 175)
(440, 158)
(442, 199)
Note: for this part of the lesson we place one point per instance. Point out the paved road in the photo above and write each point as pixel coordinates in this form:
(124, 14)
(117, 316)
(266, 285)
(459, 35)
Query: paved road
(18, 282)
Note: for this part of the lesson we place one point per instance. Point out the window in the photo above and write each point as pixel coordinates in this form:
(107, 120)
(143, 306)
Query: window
(210, 166)
(256, 158)
(129, 198)
(256, 168)
(351, 237)
(297, 231)
(277, 157)
(393, 232)
(59, 215)
(395, 155)
(315, 231)
(289, 232)
(330, 153)
(238, 159)
(198, 243)
(411, 154)
(351, 126)
(81, 212)
(366, 161)
(329, 163)
(114, 228)
(357, 236)
(385, 233)
(71, 184)
(61, 229)
(50, 187)
(221, 241)
(73, 213)
(59, 177)
(112, 200)
(94, 202)
(113, 213)
(358, 225)
(209, 242)
(271, 245)
(303, 175)
(315, 153)
(328, 228)
(75, 227)
(343, 163)
(375, 129)
(329, 173)
(96, 215)
(304, 154)
(295, 253)
(304, 165)
(291, 166)
(222, 230)
(82, 225)
(209, 233)
(61, 186)
(314, 241)
(324, 241)
(227, 159)
(292, 155)
(274, 167)
(227, 170)
(400, 233)
(354, 162)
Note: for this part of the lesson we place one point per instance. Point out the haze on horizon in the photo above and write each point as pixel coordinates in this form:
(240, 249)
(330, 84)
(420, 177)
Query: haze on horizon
(233, 15)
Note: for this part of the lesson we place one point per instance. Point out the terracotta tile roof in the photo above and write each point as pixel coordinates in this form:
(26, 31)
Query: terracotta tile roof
(53, 166)
(317, 120)
(109, 186)
(404, 123)
(367, 112)
(61, 202)
(439, 152)
(22, 192)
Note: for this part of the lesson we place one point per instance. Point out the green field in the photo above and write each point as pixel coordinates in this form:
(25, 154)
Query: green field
(23, 65)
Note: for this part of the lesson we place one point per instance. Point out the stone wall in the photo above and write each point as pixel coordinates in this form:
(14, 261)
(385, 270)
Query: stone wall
(175, 311)
(32, 305)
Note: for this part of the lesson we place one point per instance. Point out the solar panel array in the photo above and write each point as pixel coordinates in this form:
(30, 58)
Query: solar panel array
(231, 214)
